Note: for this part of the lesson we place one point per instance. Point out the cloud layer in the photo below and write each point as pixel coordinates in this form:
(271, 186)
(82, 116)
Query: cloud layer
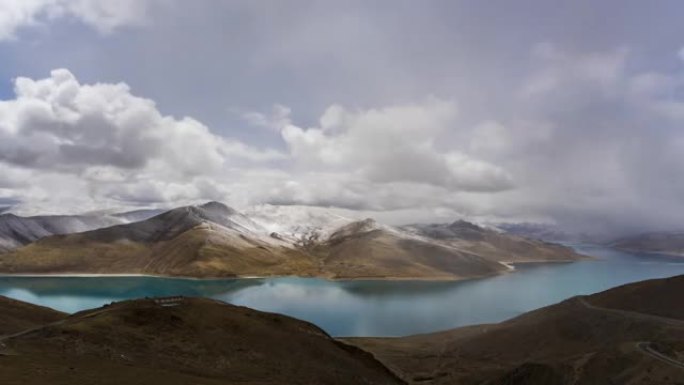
(427, 110)
(393, 144)
(113, 144)
(595, 144)
(103, 16)
(109, 145)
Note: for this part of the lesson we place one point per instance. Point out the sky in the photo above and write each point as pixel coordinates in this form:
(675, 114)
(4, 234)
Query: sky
(566, 112)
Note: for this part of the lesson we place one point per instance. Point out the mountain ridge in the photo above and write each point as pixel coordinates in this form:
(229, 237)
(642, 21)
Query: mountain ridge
(664, 242)
(214, 240)
(17, 231)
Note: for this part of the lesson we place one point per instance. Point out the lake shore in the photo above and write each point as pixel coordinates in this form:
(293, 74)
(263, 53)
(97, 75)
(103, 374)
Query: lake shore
(510, 265)
(255, 277)
(359, 307)
(656, 253)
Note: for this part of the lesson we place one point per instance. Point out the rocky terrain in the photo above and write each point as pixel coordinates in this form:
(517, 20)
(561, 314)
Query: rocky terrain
(632, 334)
(181, 341)
(214, 240)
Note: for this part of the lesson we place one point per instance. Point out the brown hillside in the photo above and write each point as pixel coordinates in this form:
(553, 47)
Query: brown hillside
(198, 341)
(213, 240)
(574, 342)
(16, 316)
(360, 252)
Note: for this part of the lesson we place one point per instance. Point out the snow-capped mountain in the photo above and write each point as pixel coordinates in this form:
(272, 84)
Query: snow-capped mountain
(214, 240)
(298, 224)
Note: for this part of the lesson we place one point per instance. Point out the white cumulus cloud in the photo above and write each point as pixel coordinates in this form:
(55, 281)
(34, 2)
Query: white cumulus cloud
(103, 16)
(117, 144)
(393, 144)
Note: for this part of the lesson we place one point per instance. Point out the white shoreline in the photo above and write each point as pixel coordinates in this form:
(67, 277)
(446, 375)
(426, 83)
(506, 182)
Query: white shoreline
(75, 275)
(95, 275)
(510, 265)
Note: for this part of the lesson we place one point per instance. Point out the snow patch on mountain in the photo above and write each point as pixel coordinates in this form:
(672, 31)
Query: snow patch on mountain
(298, 223)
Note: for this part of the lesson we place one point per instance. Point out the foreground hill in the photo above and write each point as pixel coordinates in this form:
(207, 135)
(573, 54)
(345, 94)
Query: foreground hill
(184, 341)
(16, 316)
(632, 334)
(213, 240)
(661, 297)
(671, 243)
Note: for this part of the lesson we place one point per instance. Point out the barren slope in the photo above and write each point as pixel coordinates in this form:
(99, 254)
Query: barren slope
(16, 231)
(364, 249)
(16, 316)
(578, 341)
(213, 240)
(494, 245)
(197, 341)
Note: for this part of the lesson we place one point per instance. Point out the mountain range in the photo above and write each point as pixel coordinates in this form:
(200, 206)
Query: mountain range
(658, 242)
(16, 231)
(214, 240)
(554, 233)
(670, 243)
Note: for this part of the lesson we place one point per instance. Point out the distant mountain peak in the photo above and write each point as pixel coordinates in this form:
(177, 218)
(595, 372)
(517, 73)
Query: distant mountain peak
(358, 227)
(463, 224)
(210, 211)
(216, 206)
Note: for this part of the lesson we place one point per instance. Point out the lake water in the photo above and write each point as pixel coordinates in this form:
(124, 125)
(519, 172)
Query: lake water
(369, 308)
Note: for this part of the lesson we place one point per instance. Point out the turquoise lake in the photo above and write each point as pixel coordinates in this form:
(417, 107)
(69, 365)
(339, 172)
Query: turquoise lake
(369, 308)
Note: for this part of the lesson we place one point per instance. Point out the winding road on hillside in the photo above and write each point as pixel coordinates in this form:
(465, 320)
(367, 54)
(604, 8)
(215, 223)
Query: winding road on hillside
(644, 346)
(162, 301)
(3, 347)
